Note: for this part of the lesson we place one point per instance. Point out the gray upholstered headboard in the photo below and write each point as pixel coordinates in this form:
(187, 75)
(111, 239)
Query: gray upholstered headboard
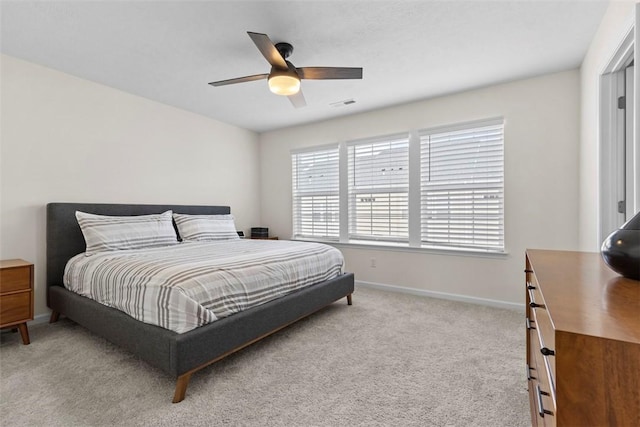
(65, 239)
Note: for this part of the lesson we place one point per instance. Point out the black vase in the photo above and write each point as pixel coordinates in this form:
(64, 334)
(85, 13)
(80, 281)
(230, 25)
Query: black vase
(621, 250)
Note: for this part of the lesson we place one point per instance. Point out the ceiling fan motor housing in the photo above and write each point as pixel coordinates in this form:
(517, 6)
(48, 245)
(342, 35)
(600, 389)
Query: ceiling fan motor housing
(285, 49)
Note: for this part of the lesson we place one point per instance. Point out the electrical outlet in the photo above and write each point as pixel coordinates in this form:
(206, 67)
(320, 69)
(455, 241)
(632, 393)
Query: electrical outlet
(373, 263)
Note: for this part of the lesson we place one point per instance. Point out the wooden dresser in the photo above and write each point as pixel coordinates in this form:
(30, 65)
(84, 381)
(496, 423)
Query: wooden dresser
(16, 295)
(583, 341)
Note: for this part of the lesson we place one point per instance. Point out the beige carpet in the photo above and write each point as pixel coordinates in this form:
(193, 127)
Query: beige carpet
(389, 360)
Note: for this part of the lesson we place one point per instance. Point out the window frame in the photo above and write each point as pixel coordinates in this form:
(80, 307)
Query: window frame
(297, 228)
(375, 189)
(469, 127)
(414, 241)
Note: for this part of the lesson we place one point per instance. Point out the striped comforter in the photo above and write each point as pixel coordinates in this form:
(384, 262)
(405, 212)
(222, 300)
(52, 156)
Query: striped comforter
(183, 286)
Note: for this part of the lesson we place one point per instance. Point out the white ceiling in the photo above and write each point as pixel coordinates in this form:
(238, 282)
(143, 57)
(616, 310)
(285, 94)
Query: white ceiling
(168, 51)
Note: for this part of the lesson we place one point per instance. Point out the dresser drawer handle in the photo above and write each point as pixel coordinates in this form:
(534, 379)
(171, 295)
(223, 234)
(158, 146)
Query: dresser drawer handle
(528, 271)
(529, 377)
(547, 351)
(531, 287)
(534, 304)
(541, 409)
(529, 327)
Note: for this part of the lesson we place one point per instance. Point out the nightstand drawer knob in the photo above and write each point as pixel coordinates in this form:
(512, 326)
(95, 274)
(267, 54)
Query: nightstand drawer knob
(534, 304)
(547, 351)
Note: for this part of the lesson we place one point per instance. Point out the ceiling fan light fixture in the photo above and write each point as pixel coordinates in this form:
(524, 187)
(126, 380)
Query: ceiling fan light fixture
(284, 78)
(284, 83)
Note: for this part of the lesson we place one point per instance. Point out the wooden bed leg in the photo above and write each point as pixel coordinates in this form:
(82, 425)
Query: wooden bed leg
(54, 317)
(181, 387)
(349, 301)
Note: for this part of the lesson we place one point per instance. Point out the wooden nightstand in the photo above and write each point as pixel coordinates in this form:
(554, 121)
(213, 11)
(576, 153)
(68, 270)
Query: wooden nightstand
(16, 295)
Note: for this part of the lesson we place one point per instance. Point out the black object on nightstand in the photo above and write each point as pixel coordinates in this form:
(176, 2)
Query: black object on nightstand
(259, 232)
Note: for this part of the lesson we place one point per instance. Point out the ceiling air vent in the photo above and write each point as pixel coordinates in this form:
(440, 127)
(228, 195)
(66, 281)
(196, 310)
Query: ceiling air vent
(343, 103)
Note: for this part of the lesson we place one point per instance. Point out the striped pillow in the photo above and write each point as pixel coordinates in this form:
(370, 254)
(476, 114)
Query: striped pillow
(111, 233)
(206, 227)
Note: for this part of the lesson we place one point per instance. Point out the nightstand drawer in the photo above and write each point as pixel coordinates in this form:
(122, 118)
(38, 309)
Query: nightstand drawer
(15, 308)
(15, 279)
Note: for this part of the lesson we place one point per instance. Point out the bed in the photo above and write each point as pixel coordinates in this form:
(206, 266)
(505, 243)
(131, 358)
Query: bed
(177, 354)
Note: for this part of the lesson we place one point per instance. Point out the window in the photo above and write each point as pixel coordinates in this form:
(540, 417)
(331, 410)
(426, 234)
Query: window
(379, 189)
(315, 194)
(437, 188)
(462, 187)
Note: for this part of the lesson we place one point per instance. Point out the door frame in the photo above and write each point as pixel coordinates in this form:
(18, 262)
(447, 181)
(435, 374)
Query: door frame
(611, 136)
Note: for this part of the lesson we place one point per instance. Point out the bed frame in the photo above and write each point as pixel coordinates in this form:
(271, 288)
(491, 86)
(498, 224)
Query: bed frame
(179, 355)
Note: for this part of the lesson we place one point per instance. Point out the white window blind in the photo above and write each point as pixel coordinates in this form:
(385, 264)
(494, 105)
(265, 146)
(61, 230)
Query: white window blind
(315, 194)
(462, 187)
(379, 189)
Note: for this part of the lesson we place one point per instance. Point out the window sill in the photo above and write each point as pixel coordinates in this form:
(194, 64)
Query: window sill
(403, 247)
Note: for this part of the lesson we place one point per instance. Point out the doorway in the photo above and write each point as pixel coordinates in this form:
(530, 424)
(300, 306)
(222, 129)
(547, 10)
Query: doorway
(619, 149)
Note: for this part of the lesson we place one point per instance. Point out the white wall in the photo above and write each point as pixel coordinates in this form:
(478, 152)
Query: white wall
(541, 182)
(66, 139)
(615, 24)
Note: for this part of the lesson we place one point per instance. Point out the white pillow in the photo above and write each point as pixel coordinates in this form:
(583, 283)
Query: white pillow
(206, 227)
(111, 233)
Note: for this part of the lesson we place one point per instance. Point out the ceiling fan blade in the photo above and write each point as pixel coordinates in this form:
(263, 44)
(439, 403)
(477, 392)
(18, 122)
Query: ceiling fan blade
(326, 73)
(298, 100)
(268, 50)
(240, 80)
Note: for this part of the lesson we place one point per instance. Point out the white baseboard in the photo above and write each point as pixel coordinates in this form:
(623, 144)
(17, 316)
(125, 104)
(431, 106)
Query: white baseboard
(40, 318)
(442, 295)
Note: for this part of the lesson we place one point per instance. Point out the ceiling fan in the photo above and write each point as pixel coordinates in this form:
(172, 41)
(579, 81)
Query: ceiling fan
(284, 78)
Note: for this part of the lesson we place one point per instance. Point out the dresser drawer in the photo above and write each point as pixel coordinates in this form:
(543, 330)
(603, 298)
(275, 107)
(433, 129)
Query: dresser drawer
(545, 378)
(15, 279)
(532, 375)
(540, 315)
(542, 404)
(15, 308)
(546, 336)
(541, 396)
